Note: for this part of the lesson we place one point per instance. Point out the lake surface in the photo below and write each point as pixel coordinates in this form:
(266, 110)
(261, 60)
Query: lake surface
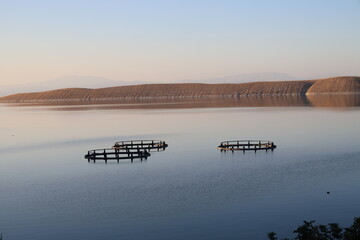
(189, 191)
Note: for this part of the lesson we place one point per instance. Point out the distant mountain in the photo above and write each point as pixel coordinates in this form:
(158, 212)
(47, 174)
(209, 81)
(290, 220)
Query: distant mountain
(337, 85)
(63, 82)
(243, 78)
(101, 82)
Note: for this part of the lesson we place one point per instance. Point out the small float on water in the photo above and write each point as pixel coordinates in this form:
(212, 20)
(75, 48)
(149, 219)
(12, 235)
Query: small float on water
(246, 145)
(127, 150)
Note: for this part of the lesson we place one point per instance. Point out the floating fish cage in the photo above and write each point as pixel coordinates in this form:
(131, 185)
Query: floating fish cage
(116, 154)
(127, 150)
(148, 145)
(246, 145)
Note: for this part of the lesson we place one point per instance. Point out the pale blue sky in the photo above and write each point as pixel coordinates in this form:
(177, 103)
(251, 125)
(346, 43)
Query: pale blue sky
(166, 41)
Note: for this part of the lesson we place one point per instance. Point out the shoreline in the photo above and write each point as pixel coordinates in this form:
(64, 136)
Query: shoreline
(312, 100)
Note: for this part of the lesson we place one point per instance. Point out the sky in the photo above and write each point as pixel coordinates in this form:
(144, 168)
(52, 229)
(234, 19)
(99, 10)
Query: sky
(172, 40)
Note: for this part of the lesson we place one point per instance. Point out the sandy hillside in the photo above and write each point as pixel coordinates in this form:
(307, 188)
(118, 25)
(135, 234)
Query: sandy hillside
(194, 90)
(335, 85)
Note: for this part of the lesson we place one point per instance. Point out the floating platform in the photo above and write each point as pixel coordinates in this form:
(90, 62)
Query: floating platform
(246, 145)
(148, 145)
(116, 154)
(124, 150)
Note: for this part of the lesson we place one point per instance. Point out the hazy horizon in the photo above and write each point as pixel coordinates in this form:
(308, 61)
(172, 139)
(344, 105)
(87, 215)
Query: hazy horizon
(163, 41)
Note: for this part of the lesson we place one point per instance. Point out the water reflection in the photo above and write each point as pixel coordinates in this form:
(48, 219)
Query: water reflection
(328, 101)
(191, 189)
(351, 100)
(247, 157)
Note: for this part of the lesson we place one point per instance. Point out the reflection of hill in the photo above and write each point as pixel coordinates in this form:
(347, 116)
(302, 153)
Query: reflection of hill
(255, 101)
(333, 100)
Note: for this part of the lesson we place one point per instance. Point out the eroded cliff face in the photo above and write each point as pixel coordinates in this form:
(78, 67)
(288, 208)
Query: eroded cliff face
(193, 90)
(337, 85)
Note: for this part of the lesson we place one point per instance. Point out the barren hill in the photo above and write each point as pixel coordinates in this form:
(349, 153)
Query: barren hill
(336, 85)
(193, 90)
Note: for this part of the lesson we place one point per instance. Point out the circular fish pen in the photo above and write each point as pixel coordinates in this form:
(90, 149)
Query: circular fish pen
(123, 150)
(116, 154)
(246, 145)
(148, 145)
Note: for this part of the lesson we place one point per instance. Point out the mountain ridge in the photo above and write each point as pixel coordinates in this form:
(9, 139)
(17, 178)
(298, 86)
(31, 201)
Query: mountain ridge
(336, 85)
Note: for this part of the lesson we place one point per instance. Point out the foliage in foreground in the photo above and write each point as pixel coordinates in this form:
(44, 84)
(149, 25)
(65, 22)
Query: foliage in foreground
(332, 231)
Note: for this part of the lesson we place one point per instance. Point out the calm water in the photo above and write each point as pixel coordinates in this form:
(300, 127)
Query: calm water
(190, 191)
